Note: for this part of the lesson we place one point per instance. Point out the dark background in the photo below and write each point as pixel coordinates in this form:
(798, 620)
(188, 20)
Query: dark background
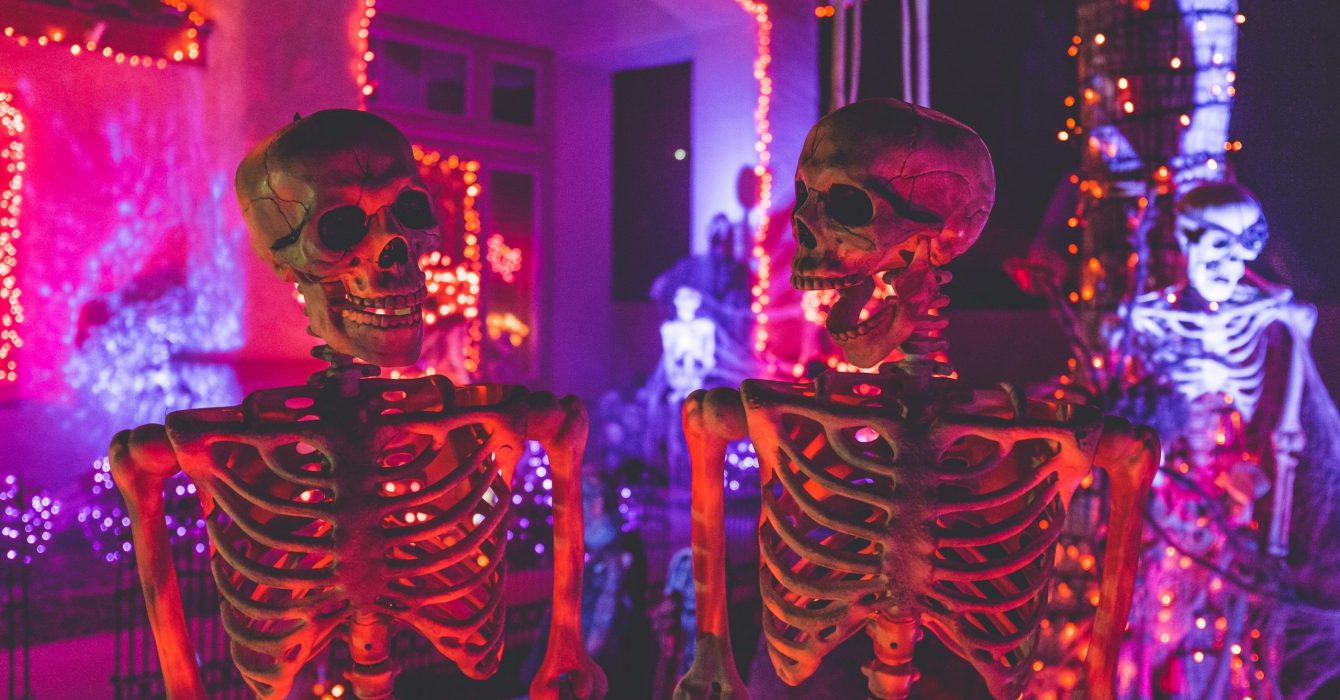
(1002, 68)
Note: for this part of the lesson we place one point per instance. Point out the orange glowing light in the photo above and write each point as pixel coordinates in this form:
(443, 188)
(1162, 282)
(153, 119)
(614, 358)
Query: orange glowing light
(762, 129)
(12, 126)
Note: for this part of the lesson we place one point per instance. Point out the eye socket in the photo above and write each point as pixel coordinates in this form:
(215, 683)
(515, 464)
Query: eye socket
(802, 193)
(412, 209)
(343, 227)
(849, 206)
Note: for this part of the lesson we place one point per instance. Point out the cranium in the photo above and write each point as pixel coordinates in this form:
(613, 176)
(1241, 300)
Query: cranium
(884, 192)
(334, 203)
(1220, 227)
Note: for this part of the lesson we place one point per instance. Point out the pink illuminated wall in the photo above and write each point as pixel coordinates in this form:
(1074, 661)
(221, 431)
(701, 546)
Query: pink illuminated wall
(129, 220)
(120, 208)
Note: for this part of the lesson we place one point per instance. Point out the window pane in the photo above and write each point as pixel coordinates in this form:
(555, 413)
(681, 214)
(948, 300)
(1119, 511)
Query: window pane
(445, 73)
(513, 94)
(396, 72)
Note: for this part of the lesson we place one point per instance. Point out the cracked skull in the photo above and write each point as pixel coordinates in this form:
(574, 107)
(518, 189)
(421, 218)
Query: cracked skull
(1220, 228)
(884, 192)
(334, 203)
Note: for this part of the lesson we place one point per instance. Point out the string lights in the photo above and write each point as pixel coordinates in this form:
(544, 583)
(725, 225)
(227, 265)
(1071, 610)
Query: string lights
(503, 259)
(763, 170)
(453, 286)
(364, 54)
(11, 201)
(108, 37)
(26, 525)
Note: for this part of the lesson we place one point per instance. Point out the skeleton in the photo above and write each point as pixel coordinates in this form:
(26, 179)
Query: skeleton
(902, 499)
(1209, 336)
(354, 506)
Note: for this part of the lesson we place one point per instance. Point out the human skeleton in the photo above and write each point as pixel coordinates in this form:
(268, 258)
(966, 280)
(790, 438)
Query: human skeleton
(902, 499)
(354, 505)
(1209, 336)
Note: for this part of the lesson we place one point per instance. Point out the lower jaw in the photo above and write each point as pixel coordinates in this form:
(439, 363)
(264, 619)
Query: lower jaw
(877, 321)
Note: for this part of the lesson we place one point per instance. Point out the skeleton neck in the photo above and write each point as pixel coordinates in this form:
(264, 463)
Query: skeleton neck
(924, 353)
(343, 373)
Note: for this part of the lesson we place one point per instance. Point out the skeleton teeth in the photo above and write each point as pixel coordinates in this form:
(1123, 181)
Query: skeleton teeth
(409, 316)
(865, 326)
(391, 304)
(811, 282)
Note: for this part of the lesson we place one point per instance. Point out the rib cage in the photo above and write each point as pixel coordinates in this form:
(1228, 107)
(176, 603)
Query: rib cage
(388, 506)
(1233, 338)
(947, 510)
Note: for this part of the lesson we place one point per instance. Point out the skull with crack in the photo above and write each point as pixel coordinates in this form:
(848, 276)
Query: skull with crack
(333, 202)
(885, 193)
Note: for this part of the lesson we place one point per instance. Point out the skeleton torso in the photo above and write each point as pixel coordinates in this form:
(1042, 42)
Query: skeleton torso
(937, 506)
(333, 516)
(1219, 351)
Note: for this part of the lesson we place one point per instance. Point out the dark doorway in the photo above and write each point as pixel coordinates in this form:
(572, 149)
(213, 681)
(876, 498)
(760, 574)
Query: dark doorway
(651, 175)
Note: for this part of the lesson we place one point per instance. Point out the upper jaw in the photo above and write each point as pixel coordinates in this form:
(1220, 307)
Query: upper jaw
(387, 304)
(809, 282)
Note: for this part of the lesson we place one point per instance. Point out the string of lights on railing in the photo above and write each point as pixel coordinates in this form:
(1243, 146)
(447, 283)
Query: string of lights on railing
(759, 292)
(11, 202)
(26, 524)
(185, 49)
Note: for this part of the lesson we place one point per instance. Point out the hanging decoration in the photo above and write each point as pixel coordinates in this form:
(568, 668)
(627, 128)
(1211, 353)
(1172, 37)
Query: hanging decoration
(139, 34)
(11, 201)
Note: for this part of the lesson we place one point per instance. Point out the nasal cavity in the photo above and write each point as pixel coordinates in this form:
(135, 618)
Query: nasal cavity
(395, 253)
(806, 237)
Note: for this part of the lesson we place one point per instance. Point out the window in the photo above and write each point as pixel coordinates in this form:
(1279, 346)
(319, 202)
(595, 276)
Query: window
(420, 78)
(513, 94)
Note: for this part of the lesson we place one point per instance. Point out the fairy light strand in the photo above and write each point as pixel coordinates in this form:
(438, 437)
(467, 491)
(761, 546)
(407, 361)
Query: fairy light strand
(455, 288)
(364, 53)
(186, 49)
(763, 170)
(454, 285)
(11, 201)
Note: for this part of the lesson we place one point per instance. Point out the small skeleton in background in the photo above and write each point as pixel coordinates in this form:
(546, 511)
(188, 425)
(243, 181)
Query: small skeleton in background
(902, 499)
(1218, 366)
(354, 506)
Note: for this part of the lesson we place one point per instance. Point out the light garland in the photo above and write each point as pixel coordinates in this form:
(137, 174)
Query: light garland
(763, 129)
(25, 524)
(454, 287)
(1219, 73)
(365, 55)
(11, 200)
(185, 49)
(503, 259)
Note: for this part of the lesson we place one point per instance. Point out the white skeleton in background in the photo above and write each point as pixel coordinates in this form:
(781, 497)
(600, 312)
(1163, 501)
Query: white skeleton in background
(1209, 335)
(688, 345)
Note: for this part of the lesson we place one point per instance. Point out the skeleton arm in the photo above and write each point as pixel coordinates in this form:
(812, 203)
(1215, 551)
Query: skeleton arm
(561, 427)
(1287, 439)
(711, 419)
(1130, 456)
(141, 459)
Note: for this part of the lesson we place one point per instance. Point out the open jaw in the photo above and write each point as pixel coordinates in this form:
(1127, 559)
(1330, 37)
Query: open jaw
(858, 310)
(389, 311)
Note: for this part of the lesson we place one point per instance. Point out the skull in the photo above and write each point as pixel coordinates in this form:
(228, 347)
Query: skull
(885, 191)
(1219, 228)
(333, 202)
